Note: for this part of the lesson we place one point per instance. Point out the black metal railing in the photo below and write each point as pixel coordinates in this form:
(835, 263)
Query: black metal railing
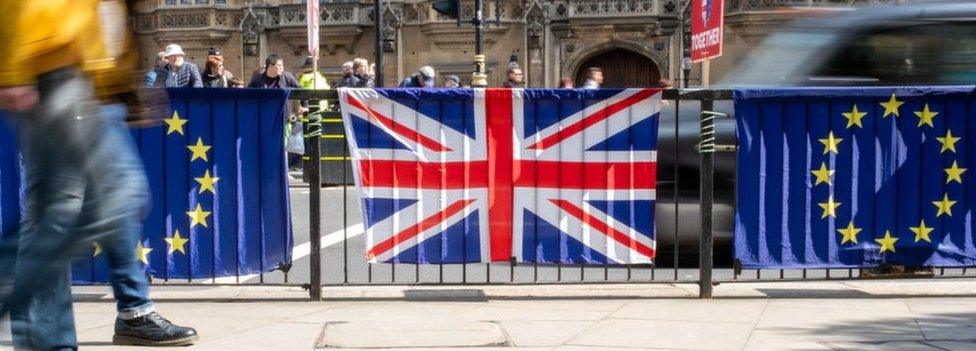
(695, 199)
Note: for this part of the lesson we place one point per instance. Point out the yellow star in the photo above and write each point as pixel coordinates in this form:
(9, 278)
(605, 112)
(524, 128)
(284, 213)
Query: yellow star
(198, 216)
(854, 117)
(207, 182)
(830, 144)
(954, 173)
(823, 174)
(829, 207)
(891, 107)
(176, 243)
(925, 116)
(199, 151)
(175, 124)
(921, 231)
(98, 249)
(887, 242)
(849, 233)
(142, 253)
(944, 206)
(948, 141)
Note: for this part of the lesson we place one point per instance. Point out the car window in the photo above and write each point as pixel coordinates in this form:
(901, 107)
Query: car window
(936, 53)
(782, 57)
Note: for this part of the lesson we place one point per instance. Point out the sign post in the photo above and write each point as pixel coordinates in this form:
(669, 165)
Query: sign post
(707, 23)
(706, 44)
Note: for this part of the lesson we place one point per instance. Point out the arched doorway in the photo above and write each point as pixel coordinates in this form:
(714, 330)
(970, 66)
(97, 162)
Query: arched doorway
(621, 69)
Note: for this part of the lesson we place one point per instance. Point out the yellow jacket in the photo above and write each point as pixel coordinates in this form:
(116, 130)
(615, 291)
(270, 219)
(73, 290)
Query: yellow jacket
(40, 36)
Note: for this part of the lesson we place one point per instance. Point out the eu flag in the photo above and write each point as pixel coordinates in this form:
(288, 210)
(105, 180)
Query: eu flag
(855, 177)
(216, 171)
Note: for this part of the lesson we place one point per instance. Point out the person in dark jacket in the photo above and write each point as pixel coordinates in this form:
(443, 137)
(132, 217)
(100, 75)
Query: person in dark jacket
(215, 75)
(424, 78)
(274, 76)
(363, 72)
(349, 79)
(515, 78)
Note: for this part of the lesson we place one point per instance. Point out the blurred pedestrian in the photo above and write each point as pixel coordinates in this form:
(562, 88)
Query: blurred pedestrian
(594, 78)
(665, 84)
(179, 72)
(452, 81)
(157, 70)
(424, 78)
(215, 75)
(84, 179)
(515, 78)
(348, 79)
(364, 73)
(566, 83)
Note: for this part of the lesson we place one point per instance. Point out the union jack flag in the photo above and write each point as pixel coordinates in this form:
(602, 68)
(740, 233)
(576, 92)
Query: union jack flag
(487, 175)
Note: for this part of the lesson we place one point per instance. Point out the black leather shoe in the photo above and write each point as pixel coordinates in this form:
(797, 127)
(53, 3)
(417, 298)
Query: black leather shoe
(152, 330)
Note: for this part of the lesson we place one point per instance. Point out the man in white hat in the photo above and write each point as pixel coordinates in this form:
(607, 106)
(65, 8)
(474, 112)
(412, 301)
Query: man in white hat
(179, 73)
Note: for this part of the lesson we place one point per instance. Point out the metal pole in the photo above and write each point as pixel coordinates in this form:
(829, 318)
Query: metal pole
(480, 77)
(315, 198)
(707, 150)
(378, 27)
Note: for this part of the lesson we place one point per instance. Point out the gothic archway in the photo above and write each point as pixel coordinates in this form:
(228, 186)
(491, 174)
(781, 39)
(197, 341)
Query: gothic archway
(622, 68)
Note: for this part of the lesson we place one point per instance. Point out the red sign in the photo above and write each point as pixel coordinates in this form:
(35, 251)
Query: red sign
(706, 29)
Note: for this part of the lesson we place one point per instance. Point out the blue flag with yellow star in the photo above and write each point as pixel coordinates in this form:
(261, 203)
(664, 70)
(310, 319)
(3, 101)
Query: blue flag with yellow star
(217, 176)
(855, 177)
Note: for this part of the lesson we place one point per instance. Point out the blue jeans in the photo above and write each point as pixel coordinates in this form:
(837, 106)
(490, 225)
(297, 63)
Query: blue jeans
(84, 183)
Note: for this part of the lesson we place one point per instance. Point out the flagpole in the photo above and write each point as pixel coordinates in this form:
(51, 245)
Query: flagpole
(706, 73)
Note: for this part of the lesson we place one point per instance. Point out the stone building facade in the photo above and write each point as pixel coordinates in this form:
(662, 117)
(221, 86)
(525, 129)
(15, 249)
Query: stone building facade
(637, 42)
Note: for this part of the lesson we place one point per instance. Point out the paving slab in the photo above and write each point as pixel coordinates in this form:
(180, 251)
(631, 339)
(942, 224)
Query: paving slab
(665, 335)
(959, 345)
(733, 311)
(768, 340)
(881, 346)
(551, 333)
(418, 333)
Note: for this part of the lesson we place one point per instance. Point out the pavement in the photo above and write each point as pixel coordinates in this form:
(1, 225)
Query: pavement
(916, 314)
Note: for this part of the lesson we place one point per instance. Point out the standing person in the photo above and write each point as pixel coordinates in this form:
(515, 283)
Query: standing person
(84, 179)
(179, 72)
(215, 75)
(273, 75)
(363, 73)
(566, 83)
(514, 78)
(157, 70)
(424, 78)
(452, 81)
(307, 76)
(594, 78)
(348, 79)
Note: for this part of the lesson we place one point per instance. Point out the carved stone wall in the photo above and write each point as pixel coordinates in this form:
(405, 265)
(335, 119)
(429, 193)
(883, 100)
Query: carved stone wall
(551, 37)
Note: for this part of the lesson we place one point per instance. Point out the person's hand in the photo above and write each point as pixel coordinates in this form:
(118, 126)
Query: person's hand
(19, 98)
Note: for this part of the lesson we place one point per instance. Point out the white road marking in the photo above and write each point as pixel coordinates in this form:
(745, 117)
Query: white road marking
(301, 251)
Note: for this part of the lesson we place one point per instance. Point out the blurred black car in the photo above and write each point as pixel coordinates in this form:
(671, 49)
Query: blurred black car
(929, 43)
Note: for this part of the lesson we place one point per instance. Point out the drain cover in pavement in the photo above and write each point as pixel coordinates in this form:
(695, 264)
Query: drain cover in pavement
(402, 333)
